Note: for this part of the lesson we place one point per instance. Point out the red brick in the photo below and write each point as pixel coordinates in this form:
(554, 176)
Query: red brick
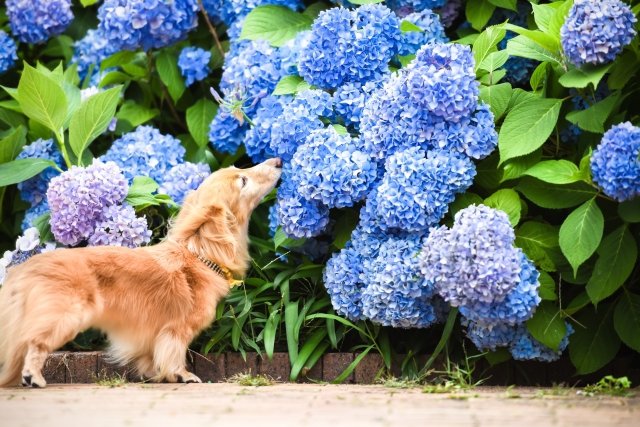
(368, 368)
(108, 369)
(437, 365)
(235, 364)
(82, 367)
(279, 368)
(55, 367)
(209, 368)
(333, 364)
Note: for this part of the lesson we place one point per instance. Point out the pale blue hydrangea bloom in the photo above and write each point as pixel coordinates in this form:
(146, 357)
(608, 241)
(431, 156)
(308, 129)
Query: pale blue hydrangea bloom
(290, 51)
(257, 140)
(147, 152)
(226, 133)
(350, 99)
(130, 24)
(92, 49)
(119, 226)
(525, 347)
(33, 213)
(27, 246)
(595, 31)
(331, 169)
(182, 179)
(34, 21)
(34, 190)
(432, 32)
(489, 338)
(615, 164)
(194, 64)
(8, 51)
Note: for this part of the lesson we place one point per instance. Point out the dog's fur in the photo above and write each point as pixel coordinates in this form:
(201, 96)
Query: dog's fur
(151, 301)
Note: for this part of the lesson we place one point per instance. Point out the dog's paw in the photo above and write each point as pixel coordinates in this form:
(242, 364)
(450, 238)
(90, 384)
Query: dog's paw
(188, 379)
(33, 381)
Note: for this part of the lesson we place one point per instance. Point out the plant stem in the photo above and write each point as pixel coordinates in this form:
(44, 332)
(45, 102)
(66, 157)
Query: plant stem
(63, 150)
(211, 28)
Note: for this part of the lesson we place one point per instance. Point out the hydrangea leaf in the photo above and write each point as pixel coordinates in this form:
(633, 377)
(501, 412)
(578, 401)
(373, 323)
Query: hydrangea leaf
(479, 12)
(275, 24)
(526, 48)
(534, 238)
(486, 43)
(625, 67)
(558, 18)
(488, 174)
(409, 27)
(23, 169)
(132, 115)
(71, 74)
(629, 210)
(92, 118)
(538, 76)
(86, 3)
(143, 184)
(217, 60)
(618, 254)
(11, 145)
(554, 171)
(626, 319)
(167, 66)
(581, 233)
(585, 75)
(542, 14)
(74, 99)
(314, 9)
(114, 77)
(287, 85)
(543, 40)
(117, 59)
(547, 289)
(515, 168)
(592, 119)
(199, 115)
(554, 196)
(344, 227)
(493, 78)
(499, 355)
(547, 326)
(43, 226)
(494, 60)
(579, 302)
(508, 201)
(42, 99)
(497, 97)
(507, 4)
(527, 127)
(281, 239)
(406, 60)
(593, 346)
(340, 129)
(464, 200)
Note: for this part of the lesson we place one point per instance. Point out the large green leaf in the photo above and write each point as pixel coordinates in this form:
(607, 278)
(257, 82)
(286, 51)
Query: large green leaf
(592, 119)
(580, 233)
(43, 226)
(543, 40)
(547, 289)
(625, 67)
(497, 97)
(534, 238)
(117, 59)
(525, 48)
(516, 167)
(479, 12)
(585, 75)
(42, 99)
(508, 201)
(558, 19)
(507, 4)
(626, 319)
(494, 61)
(287, 85)
(595, 343)
(527, 127)
(629, 210)
(462, 201)
(276, 24)
(554, 171)
(92, 118)
(486, 43)
(618, 253)
(547, 326)
(199, 116)
(22, 169)
(11, 145)
(167, 66)
(554, 196)
(542, 14)
(134, 115)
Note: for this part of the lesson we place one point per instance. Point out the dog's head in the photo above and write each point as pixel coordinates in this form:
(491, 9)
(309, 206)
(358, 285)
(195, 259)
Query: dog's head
(214, 219)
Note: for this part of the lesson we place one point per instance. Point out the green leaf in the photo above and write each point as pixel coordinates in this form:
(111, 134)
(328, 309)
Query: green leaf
(626, 319)
(290, 320)
(542, 15)
(486, 43)
(43, 226)
(494, 60)
(270, 333)
(497, 97)
(409, 27)
(135, 70)
(578, 303)
(11, 145)
(136, 199)
(71, 75)
(134, 114)
(527, 127)
(580, 233)
(547, 289)
(539, 76)
(23, 169)
(592, 119)
(463, 201)
(113, 77)
(199, 116)
(217, 60)
(344, 227)
(167, 66)
(314, 9)
(508, 201)
(92, 119)
(534, 238)
(501, 354)
(302, 86)
(629, 210)
(547, 326)
(525, 48)
(493, 77)
(545, 41)
(406, 60)
(625, 67)
(593, 346)
(558, 19)
(516, 167)
(117, 59)
(554, 171)
(306, 351)
(276, 24)
(86, 3)
(140, 192)
(74, 99)
(341, 130)
(281, 239)
(554, 196)
(42, 99)
(446, 333)
(12, 92)
(507, 4)
(144, 184)
(352, 366)
(287, 85)
(585, 75)
(617, 256)
(12, 118)
(479, 12)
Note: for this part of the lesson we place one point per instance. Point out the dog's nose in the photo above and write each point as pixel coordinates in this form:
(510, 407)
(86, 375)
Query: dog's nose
(278, 162)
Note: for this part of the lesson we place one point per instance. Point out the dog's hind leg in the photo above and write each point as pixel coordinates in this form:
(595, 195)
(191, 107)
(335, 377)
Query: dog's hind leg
(33, 363)
(169, 356)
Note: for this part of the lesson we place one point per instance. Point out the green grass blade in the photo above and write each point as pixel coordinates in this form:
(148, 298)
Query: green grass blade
(307, 350)
(351, 367)
(443, 340)
(290, 319)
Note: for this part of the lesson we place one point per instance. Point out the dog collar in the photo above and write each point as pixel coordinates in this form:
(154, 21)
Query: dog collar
(222, 271)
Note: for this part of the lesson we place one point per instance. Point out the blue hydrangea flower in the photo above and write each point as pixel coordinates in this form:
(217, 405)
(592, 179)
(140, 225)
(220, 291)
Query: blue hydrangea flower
(8, 51)
(92, 49)
(147, 152)
(316, 101)
(194, 64)
(595, 31)
(299, 217)
(290, 51)
(257, 140)
(350, 46)
(432, 32)
(418, 187)
(406, 7)
(489, 338)
(34, 190)
(34, 21)
(226, 133)
(475, 260)
(331, 169)
(350, 99)
(449, 12)
(33, 213)
(525, 347)
(130, 24)
(213, 9)
(78, 198)
(396, 294)
(517, 307)
(182, 179)
(441, 80)
(119, 226)
(615, 164)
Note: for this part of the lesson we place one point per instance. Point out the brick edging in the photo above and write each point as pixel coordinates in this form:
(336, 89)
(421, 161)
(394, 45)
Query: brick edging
(82, 367)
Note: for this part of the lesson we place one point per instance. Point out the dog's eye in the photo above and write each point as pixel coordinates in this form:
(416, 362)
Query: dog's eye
(244, 180)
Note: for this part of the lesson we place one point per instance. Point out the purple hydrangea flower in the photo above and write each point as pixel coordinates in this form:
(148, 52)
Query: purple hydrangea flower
(34, 21)
(130, 24)
(194, 64)
(34, 190)
(615, 164)
(119, 226)
(432, 32)
(8, 51)
(182, 179)
(595, 31)
(449, 12)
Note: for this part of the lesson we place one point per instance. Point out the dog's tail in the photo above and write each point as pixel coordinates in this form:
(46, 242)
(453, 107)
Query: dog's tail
(12, 349)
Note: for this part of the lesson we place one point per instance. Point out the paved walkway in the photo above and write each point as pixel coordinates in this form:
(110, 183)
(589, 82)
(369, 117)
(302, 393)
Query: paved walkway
(296, 405)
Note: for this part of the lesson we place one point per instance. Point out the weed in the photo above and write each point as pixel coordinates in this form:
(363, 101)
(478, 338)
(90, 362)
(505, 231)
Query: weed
(609, 386)
(393, 382)
(509, 395)
(115, 380)
(251, 380)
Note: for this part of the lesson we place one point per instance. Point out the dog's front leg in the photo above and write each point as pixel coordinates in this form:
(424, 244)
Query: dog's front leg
(169, 355)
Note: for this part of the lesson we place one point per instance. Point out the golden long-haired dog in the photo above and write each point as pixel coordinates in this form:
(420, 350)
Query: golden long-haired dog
(151, 301)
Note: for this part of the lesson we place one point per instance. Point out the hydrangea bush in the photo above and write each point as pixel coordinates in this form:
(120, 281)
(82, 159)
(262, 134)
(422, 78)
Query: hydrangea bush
(467, 171)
